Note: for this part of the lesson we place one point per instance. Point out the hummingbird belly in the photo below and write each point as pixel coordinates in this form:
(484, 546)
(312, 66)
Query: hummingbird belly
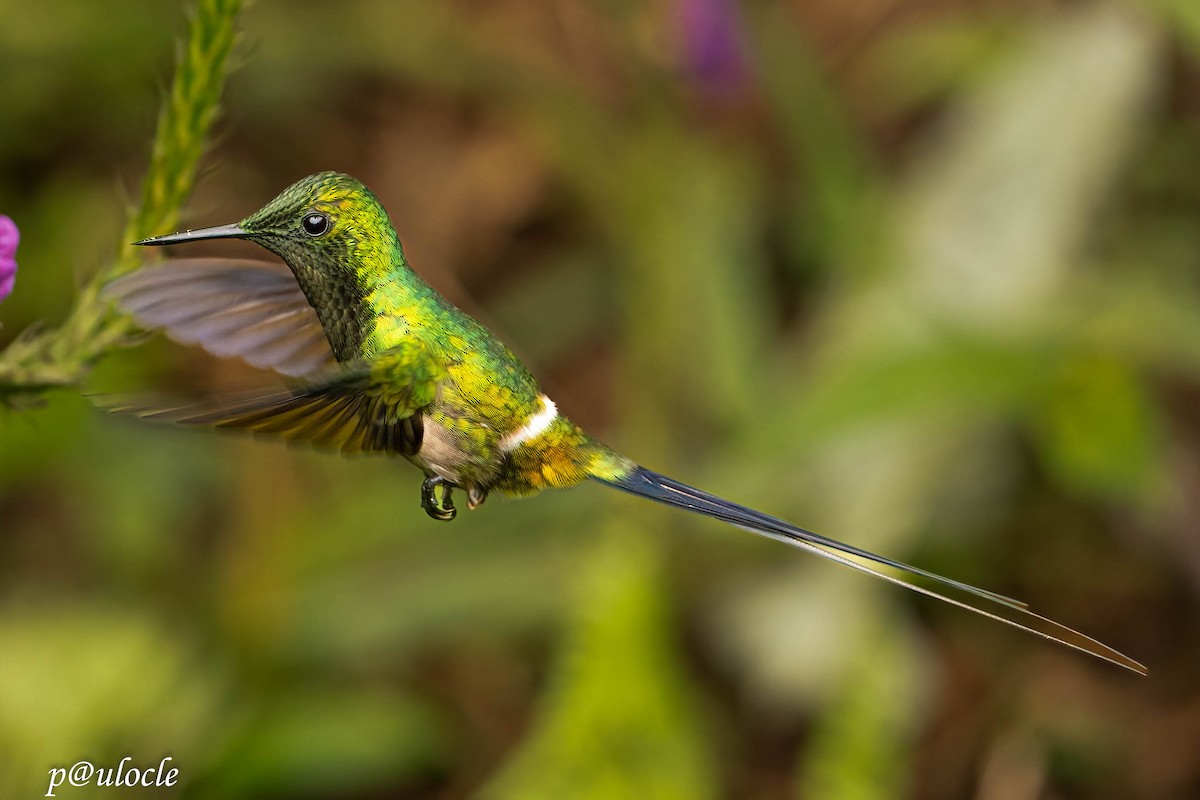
(476, 460)
(443, 453)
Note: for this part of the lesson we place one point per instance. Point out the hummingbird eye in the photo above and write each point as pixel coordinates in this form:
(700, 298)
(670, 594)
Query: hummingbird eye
(315, 224)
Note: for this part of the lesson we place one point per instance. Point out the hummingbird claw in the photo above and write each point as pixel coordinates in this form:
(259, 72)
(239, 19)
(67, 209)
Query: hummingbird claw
(443, 511)
(475, 497)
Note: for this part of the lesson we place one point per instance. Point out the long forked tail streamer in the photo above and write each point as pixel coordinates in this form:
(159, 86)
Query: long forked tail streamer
(651, 485)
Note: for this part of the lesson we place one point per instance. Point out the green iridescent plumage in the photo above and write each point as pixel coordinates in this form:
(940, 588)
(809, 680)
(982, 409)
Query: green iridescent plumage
(388, 365)
(424, 354)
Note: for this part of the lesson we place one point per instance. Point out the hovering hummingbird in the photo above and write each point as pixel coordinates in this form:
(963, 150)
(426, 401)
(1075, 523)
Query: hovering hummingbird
(386, 364)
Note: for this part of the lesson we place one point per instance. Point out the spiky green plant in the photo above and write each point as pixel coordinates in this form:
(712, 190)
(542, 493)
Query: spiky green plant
(46, 358)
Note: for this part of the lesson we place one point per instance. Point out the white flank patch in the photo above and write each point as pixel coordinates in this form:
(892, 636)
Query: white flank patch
(535, 427)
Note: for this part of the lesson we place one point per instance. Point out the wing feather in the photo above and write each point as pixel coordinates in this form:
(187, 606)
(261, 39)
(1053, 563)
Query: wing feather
(254, 310)
(373, 407)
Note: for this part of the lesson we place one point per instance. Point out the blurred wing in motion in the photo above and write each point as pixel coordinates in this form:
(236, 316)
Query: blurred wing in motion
(254, 310)
(335, 414)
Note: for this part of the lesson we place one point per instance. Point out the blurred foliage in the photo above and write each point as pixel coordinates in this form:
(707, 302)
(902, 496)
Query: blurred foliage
(649, 743)
(922, 276)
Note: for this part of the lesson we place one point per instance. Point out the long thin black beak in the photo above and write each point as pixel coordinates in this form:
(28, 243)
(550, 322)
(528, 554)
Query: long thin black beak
(231, 231)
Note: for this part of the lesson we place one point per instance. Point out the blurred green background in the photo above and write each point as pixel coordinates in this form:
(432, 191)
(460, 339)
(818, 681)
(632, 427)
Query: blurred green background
(922, 275)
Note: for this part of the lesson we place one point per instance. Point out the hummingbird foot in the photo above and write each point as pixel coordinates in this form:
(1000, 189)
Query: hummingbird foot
(475, 497)
(442, 510)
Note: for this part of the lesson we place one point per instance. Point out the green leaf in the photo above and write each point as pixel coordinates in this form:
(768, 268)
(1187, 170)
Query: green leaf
(989, 229)
(862, 741)
(314, 742)
(618, 720)
(1099, 429)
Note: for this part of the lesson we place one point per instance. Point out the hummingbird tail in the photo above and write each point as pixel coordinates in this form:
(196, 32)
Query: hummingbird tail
(660, 488)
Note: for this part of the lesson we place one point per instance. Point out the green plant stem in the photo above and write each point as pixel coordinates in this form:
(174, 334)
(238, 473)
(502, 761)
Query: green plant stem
(42, 359)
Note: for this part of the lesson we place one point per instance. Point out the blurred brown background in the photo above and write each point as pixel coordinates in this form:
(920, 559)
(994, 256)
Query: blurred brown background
(920, 275)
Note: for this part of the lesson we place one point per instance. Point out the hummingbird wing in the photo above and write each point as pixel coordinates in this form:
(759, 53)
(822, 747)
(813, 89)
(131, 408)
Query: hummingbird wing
(362, 407)
(254, 310)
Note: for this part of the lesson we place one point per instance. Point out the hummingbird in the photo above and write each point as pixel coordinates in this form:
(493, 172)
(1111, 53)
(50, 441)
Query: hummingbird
(383, 363)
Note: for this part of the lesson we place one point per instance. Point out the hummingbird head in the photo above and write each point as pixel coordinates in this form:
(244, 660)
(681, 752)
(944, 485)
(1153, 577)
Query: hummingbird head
(328, 221)
(337, 239)
(328, 218)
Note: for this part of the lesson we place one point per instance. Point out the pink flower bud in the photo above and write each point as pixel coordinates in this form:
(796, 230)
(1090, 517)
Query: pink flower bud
(9, 237)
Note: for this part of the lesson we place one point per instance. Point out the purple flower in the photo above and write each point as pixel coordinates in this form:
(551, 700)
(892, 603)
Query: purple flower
(9, 237)
(714, 45)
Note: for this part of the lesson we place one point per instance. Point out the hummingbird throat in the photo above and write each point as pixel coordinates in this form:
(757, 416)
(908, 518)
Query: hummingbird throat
(337, 291)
